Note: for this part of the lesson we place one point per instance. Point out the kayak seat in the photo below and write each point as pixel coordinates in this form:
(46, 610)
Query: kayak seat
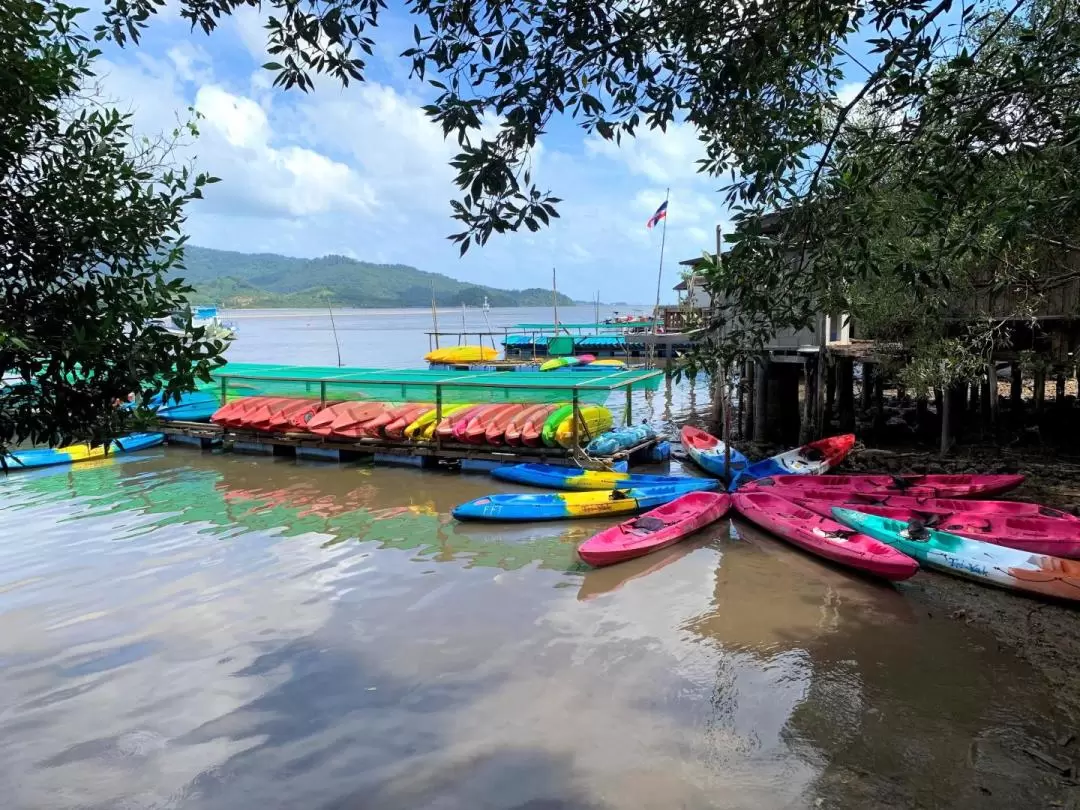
(649, 524)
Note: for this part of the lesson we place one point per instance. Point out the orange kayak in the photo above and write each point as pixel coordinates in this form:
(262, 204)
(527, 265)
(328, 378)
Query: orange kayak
(498, 424)
(232, 414)
(532, 430)
(354, 425)
(493, 418)
(278, 415)
(407, 414)
(512, 434)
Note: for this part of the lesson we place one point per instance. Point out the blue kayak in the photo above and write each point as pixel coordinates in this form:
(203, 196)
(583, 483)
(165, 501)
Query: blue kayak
(194, 407)
(563, 505)
(708, 452)
(552, 476)
(613, 441)
(51, 457)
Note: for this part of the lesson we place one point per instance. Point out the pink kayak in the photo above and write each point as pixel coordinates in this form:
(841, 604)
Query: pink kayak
(279, 416)
(923, 503)
(662, 527)
(940, 486)
(823, 536)
(1039, 535)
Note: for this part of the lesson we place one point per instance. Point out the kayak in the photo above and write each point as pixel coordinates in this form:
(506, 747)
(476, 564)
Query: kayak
(823, 536)
(353, 424)
(563, 505)
(623, 438)
(611, 361)
(707, 452)
(72, 453)
(407, 415)
(551, 424)
(923, 503)
(662, 527)
(492, 417)
(496, 425)
(814, 458)
(424, 426)
(512, 433)
(322, 423)
(480, 411)
(299, 420)
(461, 354)
(532, 429)
(232, 414)
(197, 406)
(278, 414)
(1038, 535)
(446, 428)
(972, 559)
(592, 420)
(564, 362)
(552, 476)
(940, 486)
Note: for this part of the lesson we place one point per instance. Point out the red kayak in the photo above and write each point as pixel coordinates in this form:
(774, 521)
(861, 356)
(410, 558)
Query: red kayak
(937, 486)
(496, 429)
(1039, 535)
(374, 428)
(354, 425)
(922, 503)
(445, 429)
(232, 414)
(530, 433)
(323, 421)
(489, 418)
(662, 527)
(405, 416)
(278, 415)
(823, 536)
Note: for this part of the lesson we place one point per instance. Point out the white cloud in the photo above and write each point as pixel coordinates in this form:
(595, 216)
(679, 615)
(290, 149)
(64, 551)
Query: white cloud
(662, 156)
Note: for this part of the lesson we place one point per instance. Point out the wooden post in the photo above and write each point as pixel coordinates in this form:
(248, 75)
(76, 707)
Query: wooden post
(761, 387)
(830, 393)
(984, 402)
(991, 376)
(971, 392)
(806, 418)
(747, 427)
(630, 402)
(576, 416)
(866, 394)
(1040, 390)
(879, 401)
(224, 388)
(1016, 393)
(845, 383)
(922, 409)
(438, 414)
(946, 435)
(1059, 393)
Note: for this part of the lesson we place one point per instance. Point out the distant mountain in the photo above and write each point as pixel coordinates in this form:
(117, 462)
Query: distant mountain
(267, 280)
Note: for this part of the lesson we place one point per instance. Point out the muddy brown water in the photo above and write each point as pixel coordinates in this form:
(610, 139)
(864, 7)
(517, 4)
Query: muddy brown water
(196, 630)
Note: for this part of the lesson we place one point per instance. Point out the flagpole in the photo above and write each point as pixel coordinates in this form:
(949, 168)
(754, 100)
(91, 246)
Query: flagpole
(660, 272)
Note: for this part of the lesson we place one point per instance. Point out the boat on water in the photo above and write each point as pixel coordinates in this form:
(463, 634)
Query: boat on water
(939, 486)
(563, 505)
(709, 453)
(73, 453)
(553, 476)
(814, 458)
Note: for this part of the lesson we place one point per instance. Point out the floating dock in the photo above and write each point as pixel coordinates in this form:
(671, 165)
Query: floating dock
(444, 389)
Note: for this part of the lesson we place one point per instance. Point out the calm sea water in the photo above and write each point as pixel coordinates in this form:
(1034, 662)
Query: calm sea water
(196, 630)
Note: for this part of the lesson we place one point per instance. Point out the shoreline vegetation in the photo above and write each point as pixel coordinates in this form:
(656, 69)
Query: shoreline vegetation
(236, 280)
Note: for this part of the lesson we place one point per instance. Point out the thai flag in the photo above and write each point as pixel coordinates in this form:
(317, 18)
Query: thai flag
(660, 214)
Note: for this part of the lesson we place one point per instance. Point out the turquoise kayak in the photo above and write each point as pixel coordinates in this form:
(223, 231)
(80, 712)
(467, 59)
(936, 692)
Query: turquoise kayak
(194, 407)
(563, 505)
(623, 438)
(51, 457)
(552, 476)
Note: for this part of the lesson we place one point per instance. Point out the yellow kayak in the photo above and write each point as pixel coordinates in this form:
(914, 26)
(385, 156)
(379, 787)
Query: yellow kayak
(462, 354)
(423, 428)
(609, 362)
(594, 420)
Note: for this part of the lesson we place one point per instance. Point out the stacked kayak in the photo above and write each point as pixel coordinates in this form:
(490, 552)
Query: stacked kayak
(611, 442)
(563, 505)
(822, 536)
(461, 354)
(73, 453)
(552, 476)
(984, 562)
(657, 529)
(591, 421)
(937, 486)
(708, 452)
(814, 458)
(197, 406)
(566, 362)
(236, 413)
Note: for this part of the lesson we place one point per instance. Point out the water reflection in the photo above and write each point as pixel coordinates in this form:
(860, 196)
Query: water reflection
(202, 631)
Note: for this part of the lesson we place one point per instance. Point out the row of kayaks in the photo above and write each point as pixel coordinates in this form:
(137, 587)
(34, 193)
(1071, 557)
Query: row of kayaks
(885, 526)
(512, 424)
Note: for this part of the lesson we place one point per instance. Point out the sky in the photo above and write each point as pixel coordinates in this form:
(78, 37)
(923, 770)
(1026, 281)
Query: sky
(360, 171)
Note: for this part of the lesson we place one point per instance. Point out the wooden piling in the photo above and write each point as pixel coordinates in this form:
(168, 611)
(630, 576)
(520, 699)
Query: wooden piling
(830, 394)
(879, 401)
(992, 384)
(945, 407)
(1059, 392)
(845, 396)
(746, 402)
(867, 391)
(1016, 393)
(806, 417)
(1040, 390)
(761, 387)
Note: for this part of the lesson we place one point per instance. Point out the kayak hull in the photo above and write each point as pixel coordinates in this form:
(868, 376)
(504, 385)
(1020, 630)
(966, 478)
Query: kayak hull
(74, 453)
(566, 505)
(973, 559)
(938, 486)
(922, 503)
(708, 452)
(656, 529)
(823, 537)
(814, 458)
(550, 476)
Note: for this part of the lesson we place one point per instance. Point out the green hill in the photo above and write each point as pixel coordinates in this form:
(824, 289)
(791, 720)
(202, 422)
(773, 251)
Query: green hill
(268, 280)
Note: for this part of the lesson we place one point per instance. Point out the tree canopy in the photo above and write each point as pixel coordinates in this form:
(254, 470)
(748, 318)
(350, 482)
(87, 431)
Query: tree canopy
(950, 168)
(90, 221)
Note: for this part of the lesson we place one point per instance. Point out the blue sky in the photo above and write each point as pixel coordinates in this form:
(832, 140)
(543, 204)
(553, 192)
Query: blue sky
(361, 172)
